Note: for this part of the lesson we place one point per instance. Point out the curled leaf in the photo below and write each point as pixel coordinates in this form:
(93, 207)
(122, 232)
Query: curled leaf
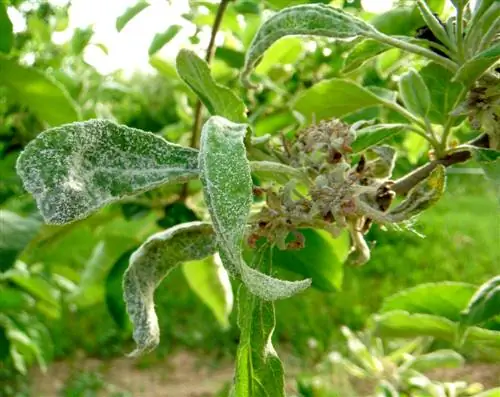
(227, 185)
(77, 168)
(150, 264)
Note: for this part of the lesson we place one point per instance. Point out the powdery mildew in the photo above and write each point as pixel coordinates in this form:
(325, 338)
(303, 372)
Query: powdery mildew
(75, 169)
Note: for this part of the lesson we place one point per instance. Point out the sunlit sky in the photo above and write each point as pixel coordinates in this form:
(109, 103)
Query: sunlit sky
(128, 49)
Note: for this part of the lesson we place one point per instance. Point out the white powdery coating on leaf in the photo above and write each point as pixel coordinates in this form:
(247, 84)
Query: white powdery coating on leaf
(75, 169)
(227, 184)
(150, 264)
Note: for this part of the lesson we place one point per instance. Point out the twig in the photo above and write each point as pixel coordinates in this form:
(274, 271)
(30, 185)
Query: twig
(195, 132)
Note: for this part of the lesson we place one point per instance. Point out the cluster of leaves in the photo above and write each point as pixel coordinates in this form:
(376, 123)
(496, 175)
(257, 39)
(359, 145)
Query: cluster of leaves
(327, 177)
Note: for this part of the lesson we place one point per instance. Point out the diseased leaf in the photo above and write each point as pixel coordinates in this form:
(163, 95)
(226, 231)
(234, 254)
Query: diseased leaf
(475, 67)
(363, 52)
(129, 14)
(150, 264)
(334, 98)
(6, 34)
(219, 100)
(75, 169)
(311, 19)
(209, 280)
(422, 196)
(227, 186)
(160, 39)
(484, 304)
(374, 135)
(15, 234)
(30, 87)
(415, 93)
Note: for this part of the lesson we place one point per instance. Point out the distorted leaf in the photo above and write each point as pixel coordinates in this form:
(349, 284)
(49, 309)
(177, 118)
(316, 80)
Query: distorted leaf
(75, 169)
(415, 93)
(129, 14)
(150, 264)
(218, 99)
(227, 186)
(161, 39)
(375, 134)
(475, 67)
(30, 87)
(484, 304)
(6, 34)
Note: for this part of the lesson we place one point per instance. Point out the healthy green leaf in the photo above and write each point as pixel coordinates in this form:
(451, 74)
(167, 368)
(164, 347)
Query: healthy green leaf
(475, 67)
(443, 92)
(484, 304)
(75, 169)
(150, 264)
(161, 39)
(490, 393)
(218, 99)
(446, 299)
(422, 196)
(81, 38)
(13, 300)
(437, 359)
(227, 187)
(283, 52)
(415, 93)
(334, 98)
(209, 280)
(15, 234)
(433, 23)
(363, 52)
(30, 87)
(6, 34)
(374, 135)
(312, 19)
(129, 14)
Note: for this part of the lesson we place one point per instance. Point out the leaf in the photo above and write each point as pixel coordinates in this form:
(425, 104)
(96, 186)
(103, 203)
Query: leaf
(209, 280)
(15, 234)
(30, 87)
(160, 39)
(363, 52)
(219, 100)
(259, 371)
(81, 38)
(484, 304)
(227, 187)
(150, 264)
(443, 92)
(422, 196)
(283, 52)
(6, 33)
(4, 344)
(321, 259)
(446, 299)
(490, 393)
(414, 93)
(489, 160)
(13, 300)
(311, 19)
(374, 135)
(129, 14)
(75, 169)
(114, 290)
(437, 359)
(475, 67)
(233, 58)
(334, 98)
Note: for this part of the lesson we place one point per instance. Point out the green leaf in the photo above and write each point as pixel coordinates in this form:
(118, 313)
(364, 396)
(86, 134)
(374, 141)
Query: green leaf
(233, 58)
(490, 393)
(475, 67)
(160, 39)
(283, 52)
(414, 93)
(114, 291)
(446, 299)
(312, 19)
(75, 169)
(424, 195)
(321, 259)
(6, 33)
(4, 344)
(443, 92)
(30, 87)
(150, 264)
(227, 187)
(489, 160)
(484, 304)
(343, 97)
(210, 281)
(15, 234)
(13, 300)
(374, 135)
(362, 52)
(129, 14)
(437, 359)
(81, 38)
(433, 23)
(219, 100)
(259, 371)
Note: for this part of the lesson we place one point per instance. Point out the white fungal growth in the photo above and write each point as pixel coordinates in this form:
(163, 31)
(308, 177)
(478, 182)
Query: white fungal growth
(150, 264)
(75, 169)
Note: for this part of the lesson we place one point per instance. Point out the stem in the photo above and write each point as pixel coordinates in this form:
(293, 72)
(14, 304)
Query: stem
(450, 65)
